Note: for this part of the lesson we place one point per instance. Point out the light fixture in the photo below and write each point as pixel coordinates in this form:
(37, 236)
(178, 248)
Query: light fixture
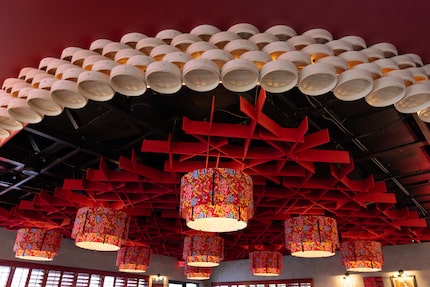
(386, 91)
(197, 273)
(146, 45)
(196, 49)
(278, 76)
(218, 56)
(201, 75)
(239, 46)
(282, 32)
(356, 42)
(362, 256)
(98, 45)
(184, 40)
(263, 39)
(20, 110)
(7, 122)
(203, 250)
(353, 84)
(244, 30)
(221, 39)
(167, 35)
(132, 38)
(321, 36)
(41, 101)
(123, 55)
(95, 84)
(373, 54)
(37, 244)
(339, 46)
(417, 98)
(204, 31)
(100, 228)
(133, 259)
(265, 263)
(163, 77)
(277, 48)
(301, 41)
(239, 75)
(311, 236)
(317, 79)
(216, 199)
(388, 49)
(346, 281)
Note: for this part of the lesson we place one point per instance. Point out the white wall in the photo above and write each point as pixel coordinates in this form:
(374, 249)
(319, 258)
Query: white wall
(413, 258)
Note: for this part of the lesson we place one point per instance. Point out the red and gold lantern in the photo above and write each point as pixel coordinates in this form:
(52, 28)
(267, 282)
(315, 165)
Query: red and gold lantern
(362, 256)
(198, 273)
(133, 259)
(37, 244)
(203, 250)
(265, 263)
(99, 228)
(311, 236)
(216, 199)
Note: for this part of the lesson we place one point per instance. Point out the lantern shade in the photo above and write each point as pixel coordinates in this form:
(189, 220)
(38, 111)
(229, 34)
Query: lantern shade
(216, 199)
(133, 259)
(100, 229)
(311, 236)
(362, 256)
(265, 263)
(198, 273)
(203, 250)
(37, 244)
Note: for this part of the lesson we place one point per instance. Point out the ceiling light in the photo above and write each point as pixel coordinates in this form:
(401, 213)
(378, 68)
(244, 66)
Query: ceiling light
(132, 38)
(79, 56)
(41, 101)
(277, 48)
(311, 236)
(123, 55)
(239, 46)
(163, 77)
(37, 244)
(259, 58)
(362, 256)
(403, 61)
(89, 61)
(337, 62)
(7, 122)
(20, 110)
(54, 64)
(282, 32)
(372, 68)
(218, 56)
(196, 49)
(418, 73)
(386, 91)
(133, 259)
(239, 75)
(100, 228)
(388, 49)
(423, 115)
(353, 84)
(95, 84)
(321, 36)
(354, 58)
(357, 42)
(405, 75)
(417, 98)
(221, 39)
(216, 199)
(416, 58)
(317, 51)
(301, 41)
(160, 51)
(244, 30)
(339, 46)
(203, 250)
(140, 61)
(60, 70)
(66, 94)
(98, 45)
(201, 75)
(278, 76)
(263, 39)
(110, 50)
(68, 52)
(167, 35)
(372, 54)
(299, 58)
(197, 273)
(178, 58)
(183, 41)
(317, 79)
(387, 65)
(204, 31)
(147, 44)
(128, 80)
(265, 263)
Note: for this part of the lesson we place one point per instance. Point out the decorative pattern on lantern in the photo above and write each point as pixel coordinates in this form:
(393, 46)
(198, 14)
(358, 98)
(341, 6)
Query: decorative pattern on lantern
(37, 244)
(203, 250)
(362, 256)
(100, 228)
(217, 199)
(265, 263)
(311, 236)
(198, 273)
(133, 259)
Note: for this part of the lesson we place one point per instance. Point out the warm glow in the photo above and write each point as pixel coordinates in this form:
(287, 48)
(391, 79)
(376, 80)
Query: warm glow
(100, 229)
(362, 256)
(311, 236)
(197, 273)
(216, 199)
(203, 250)
(37, 244)
(265, 263)
(133, 259)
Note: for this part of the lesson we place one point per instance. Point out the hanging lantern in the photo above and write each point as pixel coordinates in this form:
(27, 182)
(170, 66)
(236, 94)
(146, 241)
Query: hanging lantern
(198, 273)
(100, 229)
(133, 259)
(216, 199)
(311, 236)
(37, 244)
(362, 256)
(265, 263)
(203, 250)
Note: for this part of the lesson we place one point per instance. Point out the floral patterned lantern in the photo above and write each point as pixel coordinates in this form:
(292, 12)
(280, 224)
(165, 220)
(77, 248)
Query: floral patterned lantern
(198, 273)
(37, 244)
(216, 199)
(362, 255)
(311, 236)
(100, 229)
(265, 263)
(133, 259)
(203, 250)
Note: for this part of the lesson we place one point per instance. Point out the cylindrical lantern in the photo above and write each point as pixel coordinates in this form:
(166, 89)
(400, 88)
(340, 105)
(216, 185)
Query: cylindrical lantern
(362, 255)
(134, 259)
(216, 199)
(203, 250)
(311, 236)
(265, 263)
(198, 273)
(37, 244)
(100, 229)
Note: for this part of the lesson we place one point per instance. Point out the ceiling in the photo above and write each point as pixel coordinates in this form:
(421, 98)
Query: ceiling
(367, 167)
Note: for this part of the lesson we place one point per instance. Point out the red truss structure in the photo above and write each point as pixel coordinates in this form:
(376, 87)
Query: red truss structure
(293, 170)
